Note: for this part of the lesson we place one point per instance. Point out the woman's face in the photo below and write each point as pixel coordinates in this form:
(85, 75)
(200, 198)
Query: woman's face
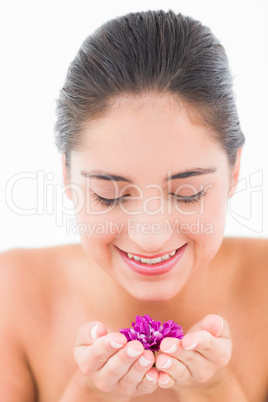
(172, 181)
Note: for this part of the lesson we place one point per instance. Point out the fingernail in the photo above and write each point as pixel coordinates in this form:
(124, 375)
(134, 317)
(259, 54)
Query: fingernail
(115, 345)
(149, 378)
(172, 349)
(191, 347)
(133, 353)
(168, 364)
(144, 362)
(165, 382)
(221, 326)
(93, 332)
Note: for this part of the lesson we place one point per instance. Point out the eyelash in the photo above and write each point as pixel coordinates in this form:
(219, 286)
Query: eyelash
(192, 198)
(105, 202)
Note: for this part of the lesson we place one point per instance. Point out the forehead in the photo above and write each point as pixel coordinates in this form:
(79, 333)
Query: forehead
(155, 132)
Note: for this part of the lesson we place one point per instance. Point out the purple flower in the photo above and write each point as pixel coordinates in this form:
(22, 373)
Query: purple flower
(150, 333)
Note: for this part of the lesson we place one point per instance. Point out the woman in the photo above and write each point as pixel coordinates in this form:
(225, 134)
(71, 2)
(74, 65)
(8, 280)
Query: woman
(151, 145)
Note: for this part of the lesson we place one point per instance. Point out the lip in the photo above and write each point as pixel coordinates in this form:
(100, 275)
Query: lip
(160, 268)
(149, 256)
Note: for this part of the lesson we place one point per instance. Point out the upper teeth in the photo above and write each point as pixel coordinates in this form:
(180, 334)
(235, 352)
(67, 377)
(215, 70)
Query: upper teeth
(151, 261)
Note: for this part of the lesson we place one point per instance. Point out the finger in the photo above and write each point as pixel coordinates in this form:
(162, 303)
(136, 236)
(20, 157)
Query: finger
(119, 364)
(170, 346)
(217, 350)
(149, 382)
(137, 378)
(172, 350)
(199, 355)
(93, 356)
(108, 376)
(165, 380)
(89, 332)
(151, 377)
(213, 323)
(200, 352)
(190, 365)
(200, 341)
(216, 326)
(175, 368)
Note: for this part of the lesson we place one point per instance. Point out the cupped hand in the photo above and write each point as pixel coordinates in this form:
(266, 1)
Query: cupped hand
(113, 365)
(198, 357)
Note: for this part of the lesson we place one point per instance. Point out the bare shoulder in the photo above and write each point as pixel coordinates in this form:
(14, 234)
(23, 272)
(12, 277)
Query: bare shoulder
(26, 275)
(249, 282)
(16, 263)
(250, 254)
(34, 294)
(250, 269)
(30, 279)
(16, 382)
(248, 250)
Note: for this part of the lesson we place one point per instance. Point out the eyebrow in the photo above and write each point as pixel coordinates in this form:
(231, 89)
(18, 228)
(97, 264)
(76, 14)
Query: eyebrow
(189, 173)
(97, 174)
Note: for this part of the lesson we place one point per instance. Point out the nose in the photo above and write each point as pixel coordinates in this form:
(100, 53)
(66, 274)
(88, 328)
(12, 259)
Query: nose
(150, 234)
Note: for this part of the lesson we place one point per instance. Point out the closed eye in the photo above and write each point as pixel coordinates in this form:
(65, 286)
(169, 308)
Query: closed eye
(189, 199)
(106, 202)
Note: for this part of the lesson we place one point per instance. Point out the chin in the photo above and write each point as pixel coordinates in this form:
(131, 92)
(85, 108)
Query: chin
(153, 295)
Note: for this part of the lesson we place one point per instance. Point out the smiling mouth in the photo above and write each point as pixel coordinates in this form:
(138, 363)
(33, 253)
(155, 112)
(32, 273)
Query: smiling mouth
(158, 265)
(150, 261)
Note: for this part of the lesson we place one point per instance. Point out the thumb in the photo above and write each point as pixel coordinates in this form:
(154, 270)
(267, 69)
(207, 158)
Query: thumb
(89, 332)
(215, 325)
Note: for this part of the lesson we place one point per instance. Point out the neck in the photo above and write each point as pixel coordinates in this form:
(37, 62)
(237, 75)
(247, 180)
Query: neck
(114, 306)
(185, 308)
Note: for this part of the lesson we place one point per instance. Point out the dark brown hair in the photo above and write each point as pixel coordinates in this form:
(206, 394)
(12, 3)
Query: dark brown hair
(152, 51)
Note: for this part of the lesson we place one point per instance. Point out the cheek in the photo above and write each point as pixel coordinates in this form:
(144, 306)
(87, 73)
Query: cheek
(205, 230)
(207, 219)
(95, 248)
(97, 231)
(217, 207)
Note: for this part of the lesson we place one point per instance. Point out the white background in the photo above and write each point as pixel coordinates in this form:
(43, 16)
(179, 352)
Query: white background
(38, 42)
